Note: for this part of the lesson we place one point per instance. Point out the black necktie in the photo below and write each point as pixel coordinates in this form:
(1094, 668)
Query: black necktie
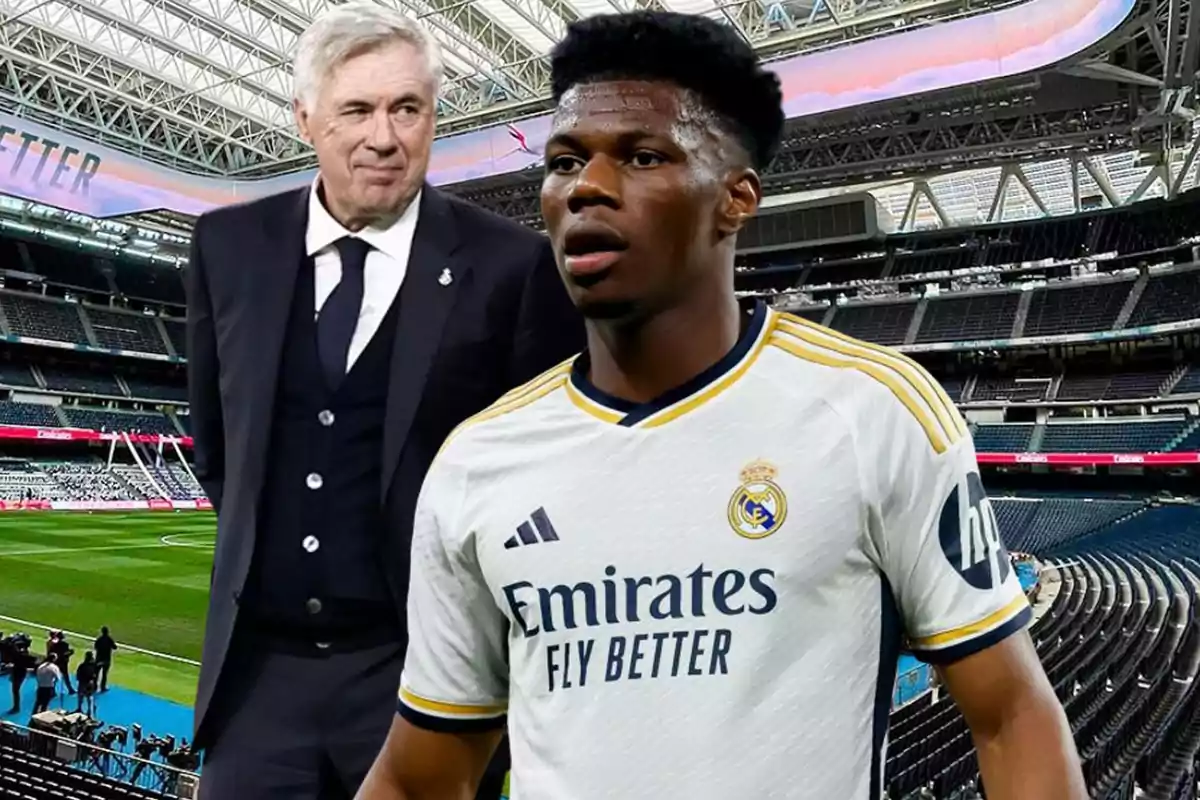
(339, 314)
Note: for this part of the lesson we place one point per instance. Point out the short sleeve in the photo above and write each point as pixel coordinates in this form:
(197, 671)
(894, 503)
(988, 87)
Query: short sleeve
(455, 675)
(956, 587)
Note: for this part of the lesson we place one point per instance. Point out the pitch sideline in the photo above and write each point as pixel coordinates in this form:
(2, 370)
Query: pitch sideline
(86, 637)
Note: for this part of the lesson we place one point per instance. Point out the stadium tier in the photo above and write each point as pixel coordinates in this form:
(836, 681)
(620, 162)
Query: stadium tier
(80, 481)
(97, 346)
(989, 313)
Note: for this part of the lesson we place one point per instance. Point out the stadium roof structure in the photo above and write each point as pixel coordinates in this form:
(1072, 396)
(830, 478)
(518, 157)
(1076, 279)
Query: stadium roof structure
(1112, 124)
(205, 85)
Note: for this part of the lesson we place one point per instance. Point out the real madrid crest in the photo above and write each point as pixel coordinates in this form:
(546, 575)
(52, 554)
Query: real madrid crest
(758, 507)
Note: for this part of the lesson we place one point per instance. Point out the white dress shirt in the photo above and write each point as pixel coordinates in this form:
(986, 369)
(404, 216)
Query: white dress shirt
(386, 264)
(48, 676)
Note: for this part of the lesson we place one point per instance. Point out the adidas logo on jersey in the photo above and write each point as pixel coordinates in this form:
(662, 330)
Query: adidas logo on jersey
(527, 535)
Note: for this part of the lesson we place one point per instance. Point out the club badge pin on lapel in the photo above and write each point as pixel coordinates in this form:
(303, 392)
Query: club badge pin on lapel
(446, 278)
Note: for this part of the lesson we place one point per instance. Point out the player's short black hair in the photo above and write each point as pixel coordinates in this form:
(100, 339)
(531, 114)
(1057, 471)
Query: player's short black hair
(694, 53)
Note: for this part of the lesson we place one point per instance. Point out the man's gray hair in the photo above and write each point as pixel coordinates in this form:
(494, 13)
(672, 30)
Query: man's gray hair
(346, 30)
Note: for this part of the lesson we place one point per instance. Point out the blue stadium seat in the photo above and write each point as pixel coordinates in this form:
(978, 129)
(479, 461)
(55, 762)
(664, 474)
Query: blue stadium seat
(885, 323)
(1190, 382)
(29, 414)
(1110, 437)
(120, 421)
(1002, 438)
(118, 330)
(971, 317)
(32, 317)
(1076, 309)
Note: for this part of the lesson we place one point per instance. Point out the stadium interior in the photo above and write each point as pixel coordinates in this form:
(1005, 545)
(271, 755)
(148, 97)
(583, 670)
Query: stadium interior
(1030, 234)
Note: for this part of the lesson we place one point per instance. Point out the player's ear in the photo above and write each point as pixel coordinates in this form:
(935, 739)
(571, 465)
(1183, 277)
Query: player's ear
(743, 193)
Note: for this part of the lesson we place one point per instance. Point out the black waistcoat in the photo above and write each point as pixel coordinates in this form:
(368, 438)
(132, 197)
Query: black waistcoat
(316, 568)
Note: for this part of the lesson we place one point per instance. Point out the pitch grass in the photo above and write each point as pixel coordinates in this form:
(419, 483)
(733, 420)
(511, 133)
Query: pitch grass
(78, 571)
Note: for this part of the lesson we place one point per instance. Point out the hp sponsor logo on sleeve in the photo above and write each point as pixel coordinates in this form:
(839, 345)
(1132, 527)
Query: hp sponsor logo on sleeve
(970, 537)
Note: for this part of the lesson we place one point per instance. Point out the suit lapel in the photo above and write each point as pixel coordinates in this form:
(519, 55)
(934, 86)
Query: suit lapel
(274, 261)
(425, 303)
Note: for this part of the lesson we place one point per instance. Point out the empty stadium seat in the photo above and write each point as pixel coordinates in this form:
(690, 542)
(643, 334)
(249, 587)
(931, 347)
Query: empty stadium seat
(885, 324)
(1189, 443)
(1125, 384)
(1002, 438)
(972, 317)
(1042, 524)
(35, 318)
(177, 332)
(156, 391)
(1190, 382)
(1010, 388)
(953, 387)
(126, 331)
(1083, 387)
(1110, 437)
(99, 419)
(1075, 309)
(1168, 298)
(76, 379)
(16, 375)
(30, 414)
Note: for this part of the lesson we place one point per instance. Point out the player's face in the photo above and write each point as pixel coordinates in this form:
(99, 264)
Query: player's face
(371, 124)
(636, 196)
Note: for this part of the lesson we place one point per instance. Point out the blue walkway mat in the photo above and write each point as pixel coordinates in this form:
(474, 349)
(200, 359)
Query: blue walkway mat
(117, 706)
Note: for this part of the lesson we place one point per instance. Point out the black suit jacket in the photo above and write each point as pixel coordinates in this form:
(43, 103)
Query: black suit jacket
(503, 319)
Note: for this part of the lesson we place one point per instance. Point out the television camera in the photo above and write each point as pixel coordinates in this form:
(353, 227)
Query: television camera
(11, 645)
(114, 737)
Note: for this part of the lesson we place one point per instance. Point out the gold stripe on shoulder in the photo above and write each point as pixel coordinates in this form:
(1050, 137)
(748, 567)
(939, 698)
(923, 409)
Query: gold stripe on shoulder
(500, 408)
(549, 374)
(913, 373)
(933, 430)
(915, 369)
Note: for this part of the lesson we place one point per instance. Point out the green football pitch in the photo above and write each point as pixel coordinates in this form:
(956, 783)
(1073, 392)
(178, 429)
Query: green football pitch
(144, 575)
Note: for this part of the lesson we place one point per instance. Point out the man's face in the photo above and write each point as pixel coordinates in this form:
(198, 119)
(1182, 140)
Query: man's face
(635, 195)
(371, 124)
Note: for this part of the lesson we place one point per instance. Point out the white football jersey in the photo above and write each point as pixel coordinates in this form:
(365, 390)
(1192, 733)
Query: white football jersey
(704, 596)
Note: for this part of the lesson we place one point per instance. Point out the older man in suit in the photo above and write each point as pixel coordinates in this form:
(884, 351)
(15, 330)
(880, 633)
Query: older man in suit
(336, 335)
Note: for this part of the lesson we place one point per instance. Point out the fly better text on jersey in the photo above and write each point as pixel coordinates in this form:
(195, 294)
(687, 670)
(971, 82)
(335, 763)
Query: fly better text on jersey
(634, 608)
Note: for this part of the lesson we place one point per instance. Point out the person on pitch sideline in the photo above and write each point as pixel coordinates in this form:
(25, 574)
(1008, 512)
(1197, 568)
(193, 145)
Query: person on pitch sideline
(683, 564)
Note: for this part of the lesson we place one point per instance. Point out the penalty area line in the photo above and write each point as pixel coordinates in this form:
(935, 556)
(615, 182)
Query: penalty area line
(170, 540)
(121, 645)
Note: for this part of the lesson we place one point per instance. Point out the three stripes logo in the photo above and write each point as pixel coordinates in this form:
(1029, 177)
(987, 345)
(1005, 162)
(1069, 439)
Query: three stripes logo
(542, 530)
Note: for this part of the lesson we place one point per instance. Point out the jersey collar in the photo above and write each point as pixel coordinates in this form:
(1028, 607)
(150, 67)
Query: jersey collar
(688, 396)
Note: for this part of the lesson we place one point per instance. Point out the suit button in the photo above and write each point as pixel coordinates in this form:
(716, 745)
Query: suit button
(311, 544)
(326, 418)
(314, 481)
(313, 606)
